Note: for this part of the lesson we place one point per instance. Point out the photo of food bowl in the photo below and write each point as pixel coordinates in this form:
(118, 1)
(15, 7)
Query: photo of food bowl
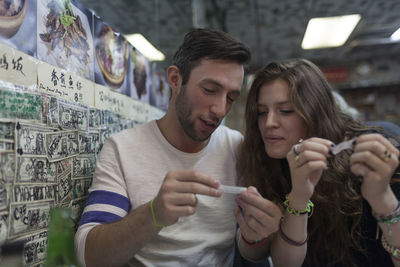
(112, 56)
(12, 14)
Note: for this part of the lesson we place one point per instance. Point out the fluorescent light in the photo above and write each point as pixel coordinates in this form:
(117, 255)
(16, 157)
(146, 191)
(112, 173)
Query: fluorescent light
(329, 31)
(145, 47)
(396, 35)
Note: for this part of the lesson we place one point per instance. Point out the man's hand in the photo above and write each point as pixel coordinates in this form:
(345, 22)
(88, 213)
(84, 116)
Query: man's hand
(177, 195)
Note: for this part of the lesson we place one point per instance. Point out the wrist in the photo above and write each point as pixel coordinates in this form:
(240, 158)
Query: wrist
(255, 243)
(384, 203)
(297, 201)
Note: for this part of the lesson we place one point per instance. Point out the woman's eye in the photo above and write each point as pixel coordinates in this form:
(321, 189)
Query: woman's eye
(261, 113)
(287, 111)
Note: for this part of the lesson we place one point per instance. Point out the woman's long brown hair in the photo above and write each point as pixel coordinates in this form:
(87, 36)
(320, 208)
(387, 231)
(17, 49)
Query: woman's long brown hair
(335, 224)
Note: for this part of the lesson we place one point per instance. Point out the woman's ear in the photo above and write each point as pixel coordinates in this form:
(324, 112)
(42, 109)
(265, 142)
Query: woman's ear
(174, 79)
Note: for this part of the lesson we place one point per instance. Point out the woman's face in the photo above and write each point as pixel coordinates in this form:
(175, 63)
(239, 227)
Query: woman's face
(280, 126)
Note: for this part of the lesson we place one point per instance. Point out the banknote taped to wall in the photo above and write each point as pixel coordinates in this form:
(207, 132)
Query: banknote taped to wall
(33, 192)
(35, 170)
(61, 145)
(26, 218)
(89, 143)
(35, 247)
(7, 166)
(30, 139)
(3, 226)
(83, 166)
(20, 105)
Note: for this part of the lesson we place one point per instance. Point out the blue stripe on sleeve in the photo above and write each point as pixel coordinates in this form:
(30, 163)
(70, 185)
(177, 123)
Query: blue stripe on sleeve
(110, 198)
(98, 217)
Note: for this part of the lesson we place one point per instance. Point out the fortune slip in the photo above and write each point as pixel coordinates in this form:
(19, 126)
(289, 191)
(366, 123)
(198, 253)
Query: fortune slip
(342, 146)
(232, 189)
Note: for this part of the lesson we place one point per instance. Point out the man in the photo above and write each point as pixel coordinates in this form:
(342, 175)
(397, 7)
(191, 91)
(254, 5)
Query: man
(155, 200)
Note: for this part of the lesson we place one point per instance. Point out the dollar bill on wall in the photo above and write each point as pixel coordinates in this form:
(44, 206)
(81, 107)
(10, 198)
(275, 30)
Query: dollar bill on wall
(3, 226)
(95, 118)
(7, 130)
(35, 170)
(33, 192)
(83, 166)
(20, 105)
(73, 116)
(64, 190)
(7, 166)
(5, 189)
(30, 139)
(81, 187)
(26, 218)
(89, 143)
(34, 250)
(61, 145)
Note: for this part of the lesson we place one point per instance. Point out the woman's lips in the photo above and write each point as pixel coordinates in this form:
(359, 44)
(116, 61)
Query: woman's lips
(273, 139)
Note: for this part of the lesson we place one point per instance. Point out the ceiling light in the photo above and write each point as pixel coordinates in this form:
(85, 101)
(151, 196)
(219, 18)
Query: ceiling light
(145, 47)
(396, 35)
(329, 31)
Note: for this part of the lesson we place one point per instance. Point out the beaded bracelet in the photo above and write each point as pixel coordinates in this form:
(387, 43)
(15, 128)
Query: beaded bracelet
(293, 211)
(388, 218)
(154, 216)
(393, 251)
(255, 243)
(289, 240)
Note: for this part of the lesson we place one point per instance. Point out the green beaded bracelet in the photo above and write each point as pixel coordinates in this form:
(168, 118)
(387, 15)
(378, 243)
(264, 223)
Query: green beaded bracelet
(293, 211)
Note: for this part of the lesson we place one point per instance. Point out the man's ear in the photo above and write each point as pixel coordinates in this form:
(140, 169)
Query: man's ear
(174, 79)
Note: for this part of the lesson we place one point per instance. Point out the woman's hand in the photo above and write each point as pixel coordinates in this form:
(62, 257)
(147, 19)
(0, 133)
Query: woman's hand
(258, 217)
(375, 159)
(307, 160)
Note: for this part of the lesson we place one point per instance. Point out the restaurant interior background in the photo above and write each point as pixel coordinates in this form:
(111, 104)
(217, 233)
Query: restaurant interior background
(58, 104)
(365, 70)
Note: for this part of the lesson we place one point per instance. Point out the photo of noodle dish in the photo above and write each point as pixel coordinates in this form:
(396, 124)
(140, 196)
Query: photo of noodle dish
(112, 56)
(65, 37)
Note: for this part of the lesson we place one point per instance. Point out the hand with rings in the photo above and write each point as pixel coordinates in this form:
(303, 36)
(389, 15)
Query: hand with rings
(375, 159)
(307, 160)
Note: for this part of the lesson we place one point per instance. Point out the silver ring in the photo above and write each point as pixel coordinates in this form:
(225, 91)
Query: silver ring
(295, 149)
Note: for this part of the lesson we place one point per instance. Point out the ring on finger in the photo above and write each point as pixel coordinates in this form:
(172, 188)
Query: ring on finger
(296, 149)
(385, 156)
(297, 160)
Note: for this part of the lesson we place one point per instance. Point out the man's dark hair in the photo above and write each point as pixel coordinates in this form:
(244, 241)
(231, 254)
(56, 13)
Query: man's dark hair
(210, 44)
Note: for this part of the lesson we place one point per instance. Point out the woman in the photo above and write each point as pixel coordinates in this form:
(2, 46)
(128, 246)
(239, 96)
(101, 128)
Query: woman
(331, 204)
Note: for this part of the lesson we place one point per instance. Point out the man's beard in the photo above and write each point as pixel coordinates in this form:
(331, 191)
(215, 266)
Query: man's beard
(184, 113)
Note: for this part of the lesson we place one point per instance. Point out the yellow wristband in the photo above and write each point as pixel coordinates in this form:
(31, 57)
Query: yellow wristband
(154, 216)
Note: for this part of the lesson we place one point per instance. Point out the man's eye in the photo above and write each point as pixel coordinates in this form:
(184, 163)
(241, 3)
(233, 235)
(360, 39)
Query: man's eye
(208, 90)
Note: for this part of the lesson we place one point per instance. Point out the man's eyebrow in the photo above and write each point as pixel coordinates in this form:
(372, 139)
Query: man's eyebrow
(212, 81)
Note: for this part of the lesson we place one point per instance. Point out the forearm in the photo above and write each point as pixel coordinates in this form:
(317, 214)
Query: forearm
(293, 228)
(115, 243)
(391, 231)
(255, 252)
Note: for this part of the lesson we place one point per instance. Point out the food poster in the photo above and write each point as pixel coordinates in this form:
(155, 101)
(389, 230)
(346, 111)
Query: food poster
(140, 77)
(65, 36)
(18, 25)
(111, 53)
(160, 91)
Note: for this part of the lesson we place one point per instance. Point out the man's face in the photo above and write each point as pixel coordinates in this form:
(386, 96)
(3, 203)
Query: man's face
(207, 97)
